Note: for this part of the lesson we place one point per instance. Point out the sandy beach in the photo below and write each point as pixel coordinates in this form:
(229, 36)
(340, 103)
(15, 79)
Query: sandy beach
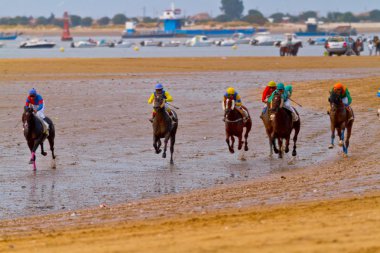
(319, 202)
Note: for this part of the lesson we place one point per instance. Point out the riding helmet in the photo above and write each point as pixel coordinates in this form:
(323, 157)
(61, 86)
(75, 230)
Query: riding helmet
(33, 92)
(159, 86)
(272, 84)
(230, 91)
(338, 86)
(280, 86)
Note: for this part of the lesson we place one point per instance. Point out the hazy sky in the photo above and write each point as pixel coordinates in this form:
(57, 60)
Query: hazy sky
(98, 8)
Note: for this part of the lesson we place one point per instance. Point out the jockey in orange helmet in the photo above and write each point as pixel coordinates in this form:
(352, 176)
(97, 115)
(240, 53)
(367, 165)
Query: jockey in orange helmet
(232, 94)
(342, 90)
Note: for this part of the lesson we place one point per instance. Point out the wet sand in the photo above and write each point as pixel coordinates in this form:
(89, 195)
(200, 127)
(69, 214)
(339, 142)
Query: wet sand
(105, 155)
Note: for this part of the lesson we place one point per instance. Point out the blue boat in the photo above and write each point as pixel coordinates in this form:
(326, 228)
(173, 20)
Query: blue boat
(8, 36)
(172, 21)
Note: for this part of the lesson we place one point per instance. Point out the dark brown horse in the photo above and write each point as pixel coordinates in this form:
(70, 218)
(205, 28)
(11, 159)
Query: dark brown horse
(290, 50)
(339, 121)
(33, 132)
(268, 128)
(163, 127)
(282, 126)
(235, 126)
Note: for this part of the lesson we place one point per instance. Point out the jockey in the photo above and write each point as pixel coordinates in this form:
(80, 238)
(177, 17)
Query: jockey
(285, 95)
(344, 93)
(287, 105)
(159, 89)
(36, 101)
(232, 94)
(271, 87)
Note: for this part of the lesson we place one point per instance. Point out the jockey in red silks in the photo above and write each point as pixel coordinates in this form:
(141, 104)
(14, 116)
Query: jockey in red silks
(36, 101)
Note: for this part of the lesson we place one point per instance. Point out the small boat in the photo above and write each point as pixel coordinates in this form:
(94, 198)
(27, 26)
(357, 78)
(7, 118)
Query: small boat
(225, 43)
(199, 41)
(240, 38)
(317, 41)
(123, 44)
(150, 43)
(84, 44)
(262, 39)
(2, 44)
(35, 43)
(105, 43)
(8, 36)
(290, 38)
(173, 43)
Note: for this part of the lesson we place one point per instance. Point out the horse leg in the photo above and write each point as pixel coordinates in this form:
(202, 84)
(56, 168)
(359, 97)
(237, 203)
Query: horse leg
(166, 144)
(240, 145)
(36, 143)
(172, 142)
(232, 144)
(341, 136)
(247, 130)
(296, 132)
(279, 147)
(42, 149)
(270, 146)
(230, 148)
(51, 144)
(332, 136)
(349, 128)
(156, 147)
(273, 140)
(287, 141)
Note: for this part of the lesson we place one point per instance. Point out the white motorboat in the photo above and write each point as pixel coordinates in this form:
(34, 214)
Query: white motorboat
(84, 44)
(105, 43)
(262, 39)
(173, 43)
(199, 41)
(2, 44)
(240, 38)
(225, 43)
(123, 44)
(290, 38)
(35, 43)
(150, 43)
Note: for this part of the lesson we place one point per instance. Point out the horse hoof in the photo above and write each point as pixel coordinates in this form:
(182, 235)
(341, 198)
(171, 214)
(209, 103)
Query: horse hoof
(158, 151)
(286, 150)
(44, 153)
(294, 153)
(232, 151)
(163, 155)
(246, 149)
(331, 146)
(172, 162)
(275, 151)
(340, 143)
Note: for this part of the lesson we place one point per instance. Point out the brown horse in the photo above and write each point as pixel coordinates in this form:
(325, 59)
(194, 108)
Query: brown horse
(282, 126)
(290, 50)
(235, 126)
(268, 128)
(163, 127)
(33, 132)
(339, 121)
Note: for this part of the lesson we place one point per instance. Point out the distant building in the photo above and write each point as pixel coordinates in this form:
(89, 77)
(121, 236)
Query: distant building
(204, 16)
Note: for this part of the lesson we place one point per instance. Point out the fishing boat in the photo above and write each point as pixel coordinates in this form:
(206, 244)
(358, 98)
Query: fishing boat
(36, 43)
(225, 43)
(84, 44)
(172, 43)
(105, 43)
(123, 44)
(240, 38)
(262, 39)
(8, 36)
(199, 41)
(150, 43)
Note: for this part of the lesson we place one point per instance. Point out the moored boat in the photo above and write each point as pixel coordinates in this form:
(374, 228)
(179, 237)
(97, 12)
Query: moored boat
(240, 38)
(199, 41)
(263, 39)
(36, 43)
(123, 44)
(150, 43)
(84, 44)
(8, 36)
(172, 43)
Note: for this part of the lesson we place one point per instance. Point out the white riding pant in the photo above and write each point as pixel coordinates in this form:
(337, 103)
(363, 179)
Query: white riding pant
(241, 108)
(345, 101)
(288, 106)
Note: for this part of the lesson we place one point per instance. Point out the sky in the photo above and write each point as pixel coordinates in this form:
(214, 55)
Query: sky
(131, 8)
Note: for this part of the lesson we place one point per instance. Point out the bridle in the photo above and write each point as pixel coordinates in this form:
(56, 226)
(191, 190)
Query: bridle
(228, 109)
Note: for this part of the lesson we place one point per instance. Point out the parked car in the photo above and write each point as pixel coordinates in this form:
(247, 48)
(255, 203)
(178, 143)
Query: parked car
(339, 45)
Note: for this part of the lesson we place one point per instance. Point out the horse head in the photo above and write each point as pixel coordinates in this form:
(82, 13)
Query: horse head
(159, 102)
(27, 118)
(276, 103)
(229, 106)
(335, 100)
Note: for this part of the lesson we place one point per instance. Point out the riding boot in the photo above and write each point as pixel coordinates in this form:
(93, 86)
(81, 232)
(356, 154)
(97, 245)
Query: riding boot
(171, 115)
(153, 115)
(295, 117)
(350, 115)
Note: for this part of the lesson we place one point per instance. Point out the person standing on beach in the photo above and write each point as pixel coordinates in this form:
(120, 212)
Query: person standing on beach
(370, 47)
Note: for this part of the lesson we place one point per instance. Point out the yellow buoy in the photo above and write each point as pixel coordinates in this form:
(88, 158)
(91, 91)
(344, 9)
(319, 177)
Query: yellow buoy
(62, 49)
(136, 49)
(234, 47)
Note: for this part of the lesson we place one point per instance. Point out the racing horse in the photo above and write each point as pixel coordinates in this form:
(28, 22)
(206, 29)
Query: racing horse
(33, 132)
(235, 125)
(282, 126)
(163, 127)
(290, 50)
(339, 120)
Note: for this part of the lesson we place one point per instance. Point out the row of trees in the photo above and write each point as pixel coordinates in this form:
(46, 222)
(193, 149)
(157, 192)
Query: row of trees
(118, 19)
(233, 10)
